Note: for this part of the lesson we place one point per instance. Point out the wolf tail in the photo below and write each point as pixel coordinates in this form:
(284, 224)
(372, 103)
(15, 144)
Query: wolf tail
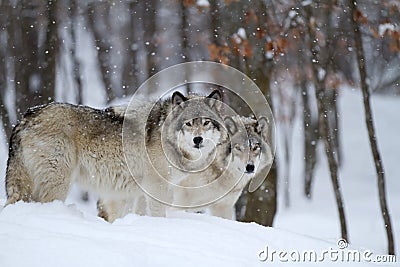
(18, 182)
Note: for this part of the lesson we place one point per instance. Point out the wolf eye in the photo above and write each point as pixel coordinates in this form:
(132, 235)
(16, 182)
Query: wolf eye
(237, 146)
(188, 124)
(206, 123)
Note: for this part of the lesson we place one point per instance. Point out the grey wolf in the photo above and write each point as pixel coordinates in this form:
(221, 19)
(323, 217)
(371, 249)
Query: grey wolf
(249, 157)
(251, 152)
(59, 144)
(182, 135)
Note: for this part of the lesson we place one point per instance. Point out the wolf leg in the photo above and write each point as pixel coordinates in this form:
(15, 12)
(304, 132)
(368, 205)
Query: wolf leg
(51, 163)
(140, 205)
(105, 210)
(18, 182)
(53, 185)
(223, 210)
(112, 209)
(155, 208)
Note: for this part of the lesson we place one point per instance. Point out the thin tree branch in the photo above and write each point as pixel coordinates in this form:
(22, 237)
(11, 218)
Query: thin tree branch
(324, 124)
(371, 129)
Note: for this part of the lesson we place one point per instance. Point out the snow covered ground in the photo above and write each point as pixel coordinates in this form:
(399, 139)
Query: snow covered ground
(55, 234)
(58, 234)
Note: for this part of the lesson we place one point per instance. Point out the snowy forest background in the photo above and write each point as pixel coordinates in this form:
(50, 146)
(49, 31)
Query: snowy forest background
(304, 56)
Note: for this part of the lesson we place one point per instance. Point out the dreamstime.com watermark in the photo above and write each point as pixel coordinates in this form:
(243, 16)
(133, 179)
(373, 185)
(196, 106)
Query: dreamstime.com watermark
(340, 254)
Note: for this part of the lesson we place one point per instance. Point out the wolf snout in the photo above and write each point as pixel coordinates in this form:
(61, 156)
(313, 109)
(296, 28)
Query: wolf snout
(250, 168)
(197, 141)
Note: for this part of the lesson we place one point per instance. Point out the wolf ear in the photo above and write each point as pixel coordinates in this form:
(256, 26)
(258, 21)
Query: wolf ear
(215, 99)
(263, 128)
(178, 98)
(230, 125)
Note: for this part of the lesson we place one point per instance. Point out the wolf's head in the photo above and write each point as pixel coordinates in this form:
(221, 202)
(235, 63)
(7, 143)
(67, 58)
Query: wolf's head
(197, 133)
(250, 153)
(196, 125)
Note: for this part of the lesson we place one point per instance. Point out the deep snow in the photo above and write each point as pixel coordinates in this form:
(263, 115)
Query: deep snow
(55, 234)
(58, 234)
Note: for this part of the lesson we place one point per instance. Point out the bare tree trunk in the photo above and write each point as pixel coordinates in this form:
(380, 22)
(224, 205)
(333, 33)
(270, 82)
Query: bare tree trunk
(149, 24)
(74, 17)
(49, 53)
(5, 118)
(98, 18)
(4, 115)
(34, 58)
(370, 126)
(130, 74)
(261, 204)
(215, 24)
(289, 114)
(335, 129)
(311, 136)
(324, 123)
(286, 180)
(184, 32)
(333, 167)
(23, 44)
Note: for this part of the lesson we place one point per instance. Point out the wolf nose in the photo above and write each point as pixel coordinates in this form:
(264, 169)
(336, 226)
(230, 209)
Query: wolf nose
(198, 140)
(250, 168)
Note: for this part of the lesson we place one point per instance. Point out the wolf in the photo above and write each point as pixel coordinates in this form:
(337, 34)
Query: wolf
(249, 157)
(195, 144)
(251, 152)
(58, 144)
